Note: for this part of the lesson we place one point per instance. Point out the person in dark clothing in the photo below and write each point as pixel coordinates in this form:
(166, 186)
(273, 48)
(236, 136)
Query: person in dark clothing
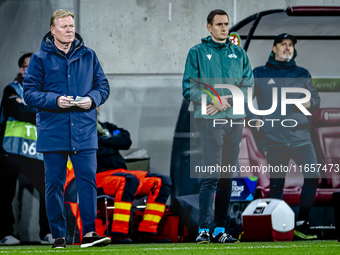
(13, 108)
(111, 139)
(290, 140)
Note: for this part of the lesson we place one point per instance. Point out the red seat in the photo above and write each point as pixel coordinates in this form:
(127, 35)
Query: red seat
(326, 123)
(250, 156)
(292, 187)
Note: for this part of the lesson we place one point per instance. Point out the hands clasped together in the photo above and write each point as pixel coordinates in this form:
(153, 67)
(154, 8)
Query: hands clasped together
(68, 101)
(212, 108)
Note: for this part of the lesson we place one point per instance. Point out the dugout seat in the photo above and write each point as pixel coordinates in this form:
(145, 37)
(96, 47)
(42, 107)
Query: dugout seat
(250, 156)
(326, 122)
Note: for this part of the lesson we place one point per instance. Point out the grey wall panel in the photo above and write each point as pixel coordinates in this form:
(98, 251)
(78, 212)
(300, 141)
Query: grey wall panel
(23, 25)
(137, 37)
(147, 106)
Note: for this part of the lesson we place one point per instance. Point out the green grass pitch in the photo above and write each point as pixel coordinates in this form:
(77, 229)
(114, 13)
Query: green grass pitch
(253, 248)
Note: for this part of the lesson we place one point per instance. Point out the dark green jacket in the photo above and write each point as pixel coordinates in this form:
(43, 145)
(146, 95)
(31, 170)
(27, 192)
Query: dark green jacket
(216, 63)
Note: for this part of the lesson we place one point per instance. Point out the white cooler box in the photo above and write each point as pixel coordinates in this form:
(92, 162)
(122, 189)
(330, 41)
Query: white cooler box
(268, 219)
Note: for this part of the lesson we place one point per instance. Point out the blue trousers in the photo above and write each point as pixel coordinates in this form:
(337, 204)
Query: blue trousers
(84, 165)
(221, 146)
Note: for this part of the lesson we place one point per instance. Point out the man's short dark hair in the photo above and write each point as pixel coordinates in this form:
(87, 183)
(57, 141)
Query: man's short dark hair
(212, 14)
(22, 58)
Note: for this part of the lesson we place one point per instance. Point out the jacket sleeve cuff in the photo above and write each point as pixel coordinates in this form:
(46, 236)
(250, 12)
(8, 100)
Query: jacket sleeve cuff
(51, 100)
(96, 99)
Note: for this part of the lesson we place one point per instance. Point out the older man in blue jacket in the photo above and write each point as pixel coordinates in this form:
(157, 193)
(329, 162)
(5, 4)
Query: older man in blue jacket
(66, 83)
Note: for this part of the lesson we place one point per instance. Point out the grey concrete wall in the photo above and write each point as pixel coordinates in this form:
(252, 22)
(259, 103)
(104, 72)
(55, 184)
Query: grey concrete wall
(136, 36)
(147, 105)
(23, 25)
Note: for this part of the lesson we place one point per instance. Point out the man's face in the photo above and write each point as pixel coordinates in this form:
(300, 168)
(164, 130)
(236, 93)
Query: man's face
(284, 50)
(24, 66)
(64, 31)
(219, 28)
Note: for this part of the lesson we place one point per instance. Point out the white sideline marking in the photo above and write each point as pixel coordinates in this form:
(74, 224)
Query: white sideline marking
(198, 247)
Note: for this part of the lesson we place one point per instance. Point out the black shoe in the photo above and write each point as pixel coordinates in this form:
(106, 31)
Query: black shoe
(120, 239)
(224, 238)
(94, 241)
(303, 232)
(203, 237)
(59, 243)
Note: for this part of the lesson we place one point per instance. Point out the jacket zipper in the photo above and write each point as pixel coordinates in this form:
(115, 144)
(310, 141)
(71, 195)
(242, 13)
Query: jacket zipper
(68, 63)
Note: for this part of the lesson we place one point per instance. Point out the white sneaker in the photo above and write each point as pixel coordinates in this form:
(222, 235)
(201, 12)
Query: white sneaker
(48, 239)
(9, 240)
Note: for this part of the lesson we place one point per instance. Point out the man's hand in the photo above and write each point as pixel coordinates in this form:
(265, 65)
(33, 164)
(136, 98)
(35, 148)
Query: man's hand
(258, 124)
(212, 109)
(307, 104)
(65, 102)
(85, 104)
(225, 102)
(224, 105)
(19, 100)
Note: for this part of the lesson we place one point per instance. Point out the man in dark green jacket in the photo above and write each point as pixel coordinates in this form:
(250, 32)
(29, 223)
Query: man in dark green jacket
(217, 61)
